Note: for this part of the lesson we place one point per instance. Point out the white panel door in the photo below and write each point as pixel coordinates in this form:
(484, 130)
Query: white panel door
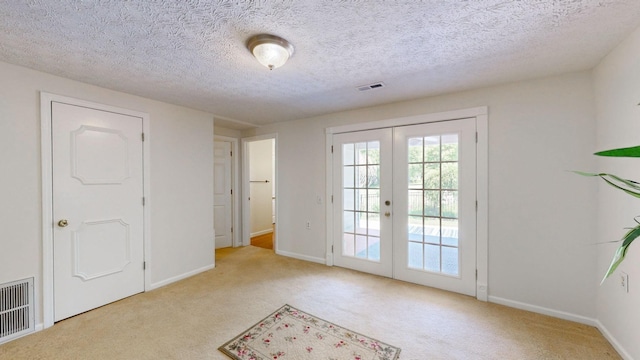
(362, 201)
(222, 208)
(435, 205)
(97, 208)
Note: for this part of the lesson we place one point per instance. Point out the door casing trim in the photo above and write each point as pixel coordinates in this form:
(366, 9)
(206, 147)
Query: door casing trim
(47, 194)
(482, 180)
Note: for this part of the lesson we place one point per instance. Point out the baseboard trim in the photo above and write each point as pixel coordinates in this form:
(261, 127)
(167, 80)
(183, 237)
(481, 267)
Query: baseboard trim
(36, 328)
(301, 257)
(481, 291)
(612, 340)
(544, 311)
(170, 280)
(261, 232)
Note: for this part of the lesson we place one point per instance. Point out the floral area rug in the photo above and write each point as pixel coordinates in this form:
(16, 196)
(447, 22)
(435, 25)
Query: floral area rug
(292, 334)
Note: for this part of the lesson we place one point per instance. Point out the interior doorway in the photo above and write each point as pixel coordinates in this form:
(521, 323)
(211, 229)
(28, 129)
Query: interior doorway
(259, 200)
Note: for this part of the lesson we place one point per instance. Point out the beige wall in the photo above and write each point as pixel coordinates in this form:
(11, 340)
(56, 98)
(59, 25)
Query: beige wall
(181, 200)
(617, 89)
(222, 131)
(541, 234)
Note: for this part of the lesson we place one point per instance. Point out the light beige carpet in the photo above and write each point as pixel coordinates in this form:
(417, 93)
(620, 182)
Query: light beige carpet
(190, 319)
(290, 333)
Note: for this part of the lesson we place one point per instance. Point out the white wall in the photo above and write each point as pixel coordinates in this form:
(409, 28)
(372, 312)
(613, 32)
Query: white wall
(182, 233)
(222, 131)
(617, 89)
(541, 236)
(260, 163)
(181, 178)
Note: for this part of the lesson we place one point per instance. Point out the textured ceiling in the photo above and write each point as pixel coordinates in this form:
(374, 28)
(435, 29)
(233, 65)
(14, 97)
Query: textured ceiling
(193, 53)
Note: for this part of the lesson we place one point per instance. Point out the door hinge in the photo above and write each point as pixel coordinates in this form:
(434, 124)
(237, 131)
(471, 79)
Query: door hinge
(476, 205)
(332, 149)
(143, 201)
(142, 136)
(232, 229)
(332, 249)
(476, 274)
(476, 137)
(231, 191)
(230, 153)
(144, 265)
(332, 199)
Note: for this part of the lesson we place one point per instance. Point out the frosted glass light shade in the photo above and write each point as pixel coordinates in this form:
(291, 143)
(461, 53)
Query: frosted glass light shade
(271, 51)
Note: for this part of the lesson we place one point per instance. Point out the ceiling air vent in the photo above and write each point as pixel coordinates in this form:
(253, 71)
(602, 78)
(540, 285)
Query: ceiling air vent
(377, 85)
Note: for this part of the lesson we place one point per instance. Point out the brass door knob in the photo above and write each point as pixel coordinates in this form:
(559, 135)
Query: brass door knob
(387, 214)
(63, 223)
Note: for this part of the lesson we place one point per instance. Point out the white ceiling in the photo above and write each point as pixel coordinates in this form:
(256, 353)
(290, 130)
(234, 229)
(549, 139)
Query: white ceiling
(193, 53)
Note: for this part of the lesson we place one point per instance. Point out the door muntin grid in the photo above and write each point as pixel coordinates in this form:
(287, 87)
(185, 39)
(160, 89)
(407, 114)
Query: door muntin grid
(432, 231)
(361, 200)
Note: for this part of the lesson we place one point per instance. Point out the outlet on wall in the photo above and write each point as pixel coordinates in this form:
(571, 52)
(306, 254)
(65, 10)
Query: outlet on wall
(624, 281)
(308, 225)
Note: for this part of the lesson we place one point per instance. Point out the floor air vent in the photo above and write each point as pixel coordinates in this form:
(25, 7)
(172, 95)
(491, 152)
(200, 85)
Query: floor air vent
(16, 309)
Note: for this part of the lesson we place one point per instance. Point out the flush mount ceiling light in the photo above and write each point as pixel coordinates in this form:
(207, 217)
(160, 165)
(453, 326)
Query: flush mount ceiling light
(270, 50)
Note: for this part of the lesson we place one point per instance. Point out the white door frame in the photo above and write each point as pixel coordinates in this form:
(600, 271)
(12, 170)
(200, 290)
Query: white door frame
(246, 220)
(47, 193)
(235, 184)
(482, 180)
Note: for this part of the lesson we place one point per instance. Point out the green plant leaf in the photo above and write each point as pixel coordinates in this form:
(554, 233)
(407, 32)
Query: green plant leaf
(629, 186)
(628, 238)
(633, 151)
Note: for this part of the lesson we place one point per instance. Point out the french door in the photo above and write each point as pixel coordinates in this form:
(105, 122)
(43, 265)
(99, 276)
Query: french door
(404, 203)
(363, 173)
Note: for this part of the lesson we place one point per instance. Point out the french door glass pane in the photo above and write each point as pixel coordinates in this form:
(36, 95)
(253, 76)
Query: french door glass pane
(348, 176)
(449, 175)
(432, 258)
(348, 199)
(449, 204)
(450, 260)
(348, 154)
(431, 176)
(415, 176)
(361, 200)
(348, 244)
(450, 232)
(415, 202)
(416, 149)
(432, 149)
(433, 203)
(415, 255)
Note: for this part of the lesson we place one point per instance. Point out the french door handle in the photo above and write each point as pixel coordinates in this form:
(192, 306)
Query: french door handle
(387, 214)
(63, 223)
